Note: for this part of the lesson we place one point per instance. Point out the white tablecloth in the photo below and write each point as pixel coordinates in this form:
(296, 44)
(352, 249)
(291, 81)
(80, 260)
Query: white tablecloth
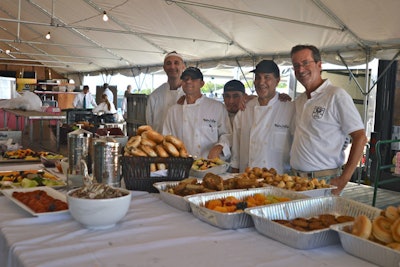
(152, 234)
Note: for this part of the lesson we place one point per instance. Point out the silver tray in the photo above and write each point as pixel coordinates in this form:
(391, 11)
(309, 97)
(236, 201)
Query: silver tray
(232, 220)
(366, 249)
(306, 208)
(173, 200)
(322, 192)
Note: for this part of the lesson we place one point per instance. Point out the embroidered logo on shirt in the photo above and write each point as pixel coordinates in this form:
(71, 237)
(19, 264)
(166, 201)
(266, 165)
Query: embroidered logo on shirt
(211, 123)
(281, 126)
(318, 112)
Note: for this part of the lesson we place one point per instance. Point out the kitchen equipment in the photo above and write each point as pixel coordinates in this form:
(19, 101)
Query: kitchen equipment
(106, 167)
(79, 142)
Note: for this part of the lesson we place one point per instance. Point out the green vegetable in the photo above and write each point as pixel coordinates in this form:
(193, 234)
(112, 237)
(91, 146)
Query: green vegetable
(25, 183)
(48, 182)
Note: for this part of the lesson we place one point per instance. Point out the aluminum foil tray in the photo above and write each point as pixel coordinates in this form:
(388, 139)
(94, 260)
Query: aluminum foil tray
(232, 220)
(366, 249)
(306, 208)
(173, 200)
(322, 192)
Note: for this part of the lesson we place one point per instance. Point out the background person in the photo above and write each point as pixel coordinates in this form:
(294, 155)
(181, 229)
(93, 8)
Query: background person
(106, 110)
(108, 92)
(124, 107)
(325, 116)
(84, 99)
(167, 94)
(261, 132)
(200, 122)
(233, 95)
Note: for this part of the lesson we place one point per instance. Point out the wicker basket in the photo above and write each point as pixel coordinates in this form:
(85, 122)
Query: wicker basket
(136, 171)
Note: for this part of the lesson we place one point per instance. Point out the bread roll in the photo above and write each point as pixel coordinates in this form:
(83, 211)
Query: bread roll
(161, 152)
(138, 152)
(143, 128)
(362, 226)
(171, 149)
(395, 228)
(161, 166)
(174, 140)
(381, 229)
(153, 135)
(147, 142)
(148, 150)
(134, 141)
(153, 167)
(183, 152)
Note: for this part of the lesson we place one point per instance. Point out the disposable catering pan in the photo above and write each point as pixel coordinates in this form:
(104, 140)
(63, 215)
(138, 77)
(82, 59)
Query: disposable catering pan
(366, 249)
(320, 192)
(173, 200)
(306, 208)
(232, 220)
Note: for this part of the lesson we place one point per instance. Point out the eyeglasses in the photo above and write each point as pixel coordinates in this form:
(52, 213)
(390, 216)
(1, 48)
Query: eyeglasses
(304, 64)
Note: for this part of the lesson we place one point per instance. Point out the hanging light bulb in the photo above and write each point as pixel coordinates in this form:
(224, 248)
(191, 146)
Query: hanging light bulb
(48, 36)
(105, 17)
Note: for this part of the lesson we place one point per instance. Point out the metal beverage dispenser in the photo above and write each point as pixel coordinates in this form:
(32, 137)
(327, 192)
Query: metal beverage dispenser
(106, 168)
(79, 142)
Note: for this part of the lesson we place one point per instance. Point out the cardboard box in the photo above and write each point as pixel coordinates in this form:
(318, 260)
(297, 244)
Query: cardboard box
(16, 136)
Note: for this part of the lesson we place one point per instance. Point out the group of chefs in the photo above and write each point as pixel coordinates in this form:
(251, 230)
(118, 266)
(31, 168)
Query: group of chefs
(306, 137)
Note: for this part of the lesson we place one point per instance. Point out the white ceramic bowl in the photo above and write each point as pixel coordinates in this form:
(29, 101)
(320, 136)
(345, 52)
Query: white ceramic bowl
(99, 213)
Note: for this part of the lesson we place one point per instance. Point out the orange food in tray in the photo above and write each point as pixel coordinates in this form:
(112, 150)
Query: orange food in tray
(232, 204)
(25, 154)
(39, 201)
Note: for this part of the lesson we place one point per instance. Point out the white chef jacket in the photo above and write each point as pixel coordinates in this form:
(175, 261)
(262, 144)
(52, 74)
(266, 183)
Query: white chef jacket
(200, 126)
(261, 135)
(78, 101)
(158, 103)
(322, 124)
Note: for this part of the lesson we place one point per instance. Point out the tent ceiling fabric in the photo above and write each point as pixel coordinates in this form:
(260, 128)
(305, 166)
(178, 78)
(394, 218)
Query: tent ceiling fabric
(206, 32)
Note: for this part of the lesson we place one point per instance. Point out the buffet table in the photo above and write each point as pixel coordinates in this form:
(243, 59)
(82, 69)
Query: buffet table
(152, 234)
(31, 115)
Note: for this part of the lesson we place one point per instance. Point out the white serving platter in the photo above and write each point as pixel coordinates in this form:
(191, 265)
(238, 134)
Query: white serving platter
(50, 191)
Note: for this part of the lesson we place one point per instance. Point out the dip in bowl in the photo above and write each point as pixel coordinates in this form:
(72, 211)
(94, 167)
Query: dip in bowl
(98, 206)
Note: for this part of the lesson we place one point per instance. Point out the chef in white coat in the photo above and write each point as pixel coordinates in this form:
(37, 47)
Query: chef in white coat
(261, 132)
(201, 123)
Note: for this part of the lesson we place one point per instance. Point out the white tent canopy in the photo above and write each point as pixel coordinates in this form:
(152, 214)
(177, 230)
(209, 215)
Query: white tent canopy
(207, 33)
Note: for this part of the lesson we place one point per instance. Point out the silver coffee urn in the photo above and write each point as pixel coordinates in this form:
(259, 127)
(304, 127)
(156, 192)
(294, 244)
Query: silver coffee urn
(106, 167)
(79, 142)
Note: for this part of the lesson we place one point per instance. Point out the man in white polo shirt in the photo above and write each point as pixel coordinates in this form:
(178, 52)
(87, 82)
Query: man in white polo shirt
(325, 116)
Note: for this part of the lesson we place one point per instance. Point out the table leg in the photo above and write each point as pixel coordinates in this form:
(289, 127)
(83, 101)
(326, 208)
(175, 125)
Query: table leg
(17, 122)
(58, 135)
(41, 131)
(30, 131)
(5, 119)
